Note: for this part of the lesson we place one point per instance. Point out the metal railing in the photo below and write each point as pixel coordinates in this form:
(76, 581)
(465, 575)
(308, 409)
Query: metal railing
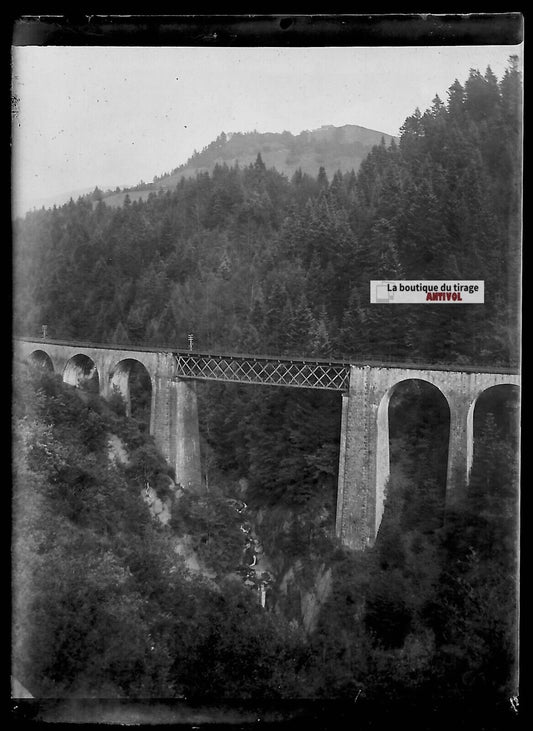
(264, 371)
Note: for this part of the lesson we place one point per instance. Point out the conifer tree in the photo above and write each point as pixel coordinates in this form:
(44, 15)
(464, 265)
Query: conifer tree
(300, 325)
(323, 182)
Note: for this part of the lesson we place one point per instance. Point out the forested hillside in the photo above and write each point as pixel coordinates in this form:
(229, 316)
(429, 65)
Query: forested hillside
(334, 148)
(249, 260)
(106, 606)
(103, 605)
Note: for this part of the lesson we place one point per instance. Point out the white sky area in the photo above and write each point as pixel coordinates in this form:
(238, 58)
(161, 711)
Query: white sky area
(108, 116)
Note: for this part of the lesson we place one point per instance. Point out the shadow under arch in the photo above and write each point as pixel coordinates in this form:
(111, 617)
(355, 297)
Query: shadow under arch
(41, 359)
(496, 408)
(402, 399)
(131, 380)
(81, 372)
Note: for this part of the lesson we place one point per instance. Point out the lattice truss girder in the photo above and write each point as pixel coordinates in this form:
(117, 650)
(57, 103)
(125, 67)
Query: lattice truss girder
(294, 373)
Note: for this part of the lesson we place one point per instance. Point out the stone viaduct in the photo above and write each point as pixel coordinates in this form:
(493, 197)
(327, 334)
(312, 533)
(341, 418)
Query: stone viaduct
(366, 392)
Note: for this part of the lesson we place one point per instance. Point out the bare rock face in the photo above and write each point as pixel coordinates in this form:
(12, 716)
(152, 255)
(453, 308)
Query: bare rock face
(183, 547)
(313, 600)
(160, 509)
(309, 598)
(116, 450)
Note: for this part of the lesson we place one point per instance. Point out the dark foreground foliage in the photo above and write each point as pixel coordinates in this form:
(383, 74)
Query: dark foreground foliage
(103, 606)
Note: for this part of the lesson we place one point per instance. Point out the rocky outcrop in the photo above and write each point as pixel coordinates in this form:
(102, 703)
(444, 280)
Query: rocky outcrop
(313, 600)
(160, 509)
(116, 450)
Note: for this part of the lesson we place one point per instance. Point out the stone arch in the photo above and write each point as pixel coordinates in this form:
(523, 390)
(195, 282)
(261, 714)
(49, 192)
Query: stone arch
(120, 380)
(499, 390)
(81, 372)
(41, 359)
(383, 439)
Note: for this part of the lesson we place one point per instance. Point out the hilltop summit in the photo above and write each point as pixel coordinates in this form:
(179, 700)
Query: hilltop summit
(334, 148)
(330, 147)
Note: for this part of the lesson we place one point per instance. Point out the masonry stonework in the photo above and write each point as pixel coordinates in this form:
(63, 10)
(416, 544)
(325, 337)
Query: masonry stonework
(364, 461)
(364, 467)
(173, 413)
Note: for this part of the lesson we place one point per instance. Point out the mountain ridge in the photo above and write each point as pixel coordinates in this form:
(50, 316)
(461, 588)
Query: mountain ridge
(333, 148)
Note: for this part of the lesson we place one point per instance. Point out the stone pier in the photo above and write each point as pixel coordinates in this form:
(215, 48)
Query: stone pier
(173, 413)
(364, 462)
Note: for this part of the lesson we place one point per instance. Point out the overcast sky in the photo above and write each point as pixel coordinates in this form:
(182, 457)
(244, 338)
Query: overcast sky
(87, 116)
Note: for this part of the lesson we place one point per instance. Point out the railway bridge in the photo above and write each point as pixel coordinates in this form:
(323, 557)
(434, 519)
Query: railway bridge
(365, 388)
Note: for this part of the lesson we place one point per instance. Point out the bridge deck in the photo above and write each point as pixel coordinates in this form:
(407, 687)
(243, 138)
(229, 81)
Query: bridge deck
(283, 370)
